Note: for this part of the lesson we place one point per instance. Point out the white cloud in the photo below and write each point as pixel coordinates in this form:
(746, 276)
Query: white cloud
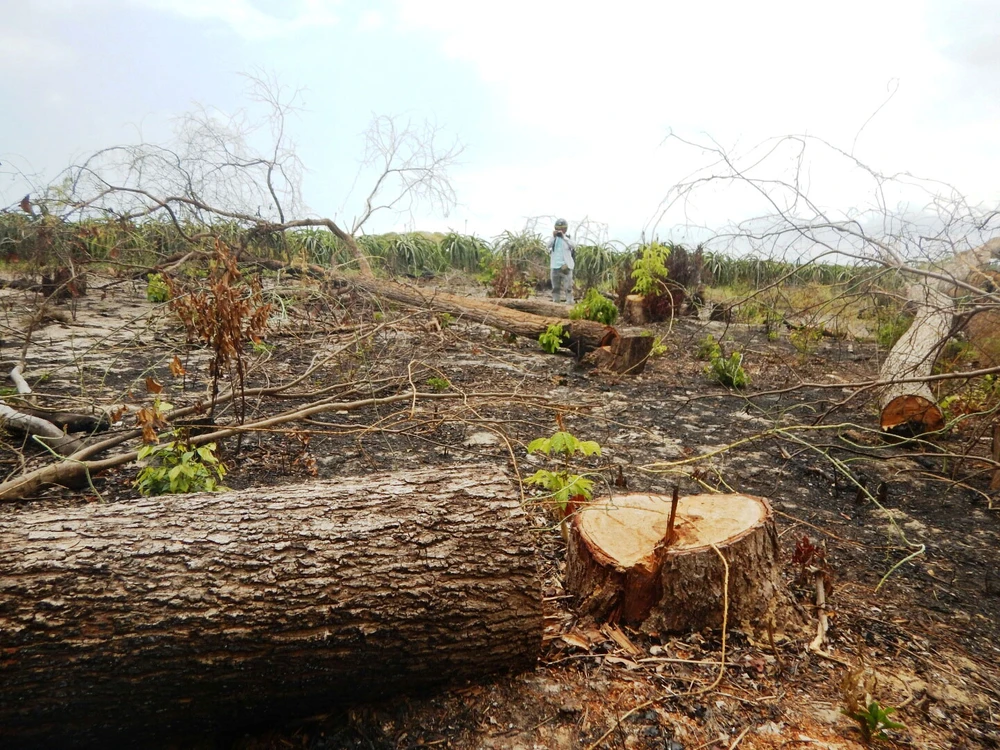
(249, 21)
(371, 20)
(606, 83)
(24, 51)
(662, 63)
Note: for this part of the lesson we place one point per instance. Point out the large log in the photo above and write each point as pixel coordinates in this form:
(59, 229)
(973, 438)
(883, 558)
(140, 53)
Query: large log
(534, 306)
(910, 409)
(123, 624)
(621, 566)
(584, 335)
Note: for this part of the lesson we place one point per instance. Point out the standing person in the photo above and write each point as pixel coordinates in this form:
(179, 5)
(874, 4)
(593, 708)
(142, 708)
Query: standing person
(562, 254)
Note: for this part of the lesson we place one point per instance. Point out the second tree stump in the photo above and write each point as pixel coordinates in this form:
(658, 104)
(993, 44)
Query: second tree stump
(619, 568)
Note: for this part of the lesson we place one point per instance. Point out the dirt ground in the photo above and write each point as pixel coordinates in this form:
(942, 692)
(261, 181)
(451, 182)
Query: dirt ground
(928, 633)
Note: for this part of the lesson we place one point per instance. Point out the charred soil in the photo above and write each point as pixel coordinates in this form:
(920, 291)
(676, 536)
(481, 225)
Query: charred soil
(909, 566)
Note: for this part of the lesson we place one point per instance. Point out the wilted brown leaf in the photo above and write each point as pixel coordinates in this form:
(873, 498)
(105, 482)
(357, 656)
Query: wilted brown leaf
(150, 420)
(152, 386)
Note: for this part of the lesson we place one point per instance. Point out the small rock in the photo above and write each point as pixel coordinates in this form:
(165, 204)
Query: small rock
(481, 438)
(769, 727)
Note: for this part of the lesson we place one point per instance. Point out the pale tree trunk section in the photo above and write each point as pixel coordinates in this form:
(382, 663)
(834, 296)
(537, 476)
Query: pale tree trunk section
(910, 409)
(125, 623)
(620, 570)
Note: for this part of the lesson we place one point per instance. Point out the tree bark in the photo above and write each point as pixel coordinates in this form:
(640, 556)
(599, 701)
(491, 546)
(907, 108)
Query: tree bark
(634, 312)
(620, 567)
(37, 427)
(584, 335)
(910, 409)
(67, 420)
(122, 624)
(627, 355)
(534, 306)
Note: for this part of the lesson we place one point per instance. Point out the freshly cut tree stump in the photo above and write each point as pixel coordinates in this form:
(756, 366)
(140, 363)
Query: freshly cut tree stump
(122, 624)
(635, 313)
(627, 355)
(620, 570)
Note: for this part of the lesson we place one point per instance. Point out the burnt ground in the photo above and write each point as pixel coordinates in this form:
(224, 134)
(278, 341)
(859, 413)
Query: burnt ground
(928, 633)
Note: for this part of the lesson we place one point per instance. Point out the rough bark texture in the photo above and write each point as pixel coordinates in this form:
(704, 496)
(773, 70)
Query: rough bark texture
(635, 313)
(619, 570)
(627, 355)
(121, 624)
(584, 335)
(535, 306)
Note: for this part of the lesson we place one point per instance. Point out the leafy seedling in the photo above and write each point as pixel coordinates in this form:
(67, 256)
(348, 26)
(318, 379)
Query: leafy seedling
(439, 384)
(595, 306)
(566, 488)
(729, 370)
(553, 338)
(857, 688)
(874, 720)
(177, 468)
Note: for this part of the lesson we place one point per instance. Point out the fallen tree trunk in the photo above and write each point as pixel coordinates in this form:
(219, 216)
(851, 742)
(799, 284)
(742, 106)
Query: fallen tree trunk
(40, 429)
(121, 624)
(534, 306)
(36, 423)
(622, 566)
(67, 420)
(530, 318)
(910, 409)
(583, 335)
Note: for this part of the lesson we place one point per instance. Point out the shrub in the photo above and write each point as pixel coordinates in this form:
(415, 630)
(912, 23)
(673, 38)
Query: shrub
(505, 280)
(708, 348)
(729, 370)
(177, 468)
(664, 305)
(595, 306)
(650, 273)
(649, 270)
(439, 384)
(806, 339)
(553, 338)
(596, 264)
(156, 288)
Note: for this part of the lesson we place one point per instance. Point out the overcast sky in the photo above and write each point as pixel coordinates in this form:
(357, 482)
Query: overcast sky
(563, 107)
